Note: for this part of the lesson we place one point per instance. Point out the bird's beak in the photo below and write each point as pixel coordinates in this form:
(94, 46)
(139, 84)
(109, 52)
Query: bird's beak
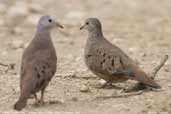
(82, 27)
(59, 25)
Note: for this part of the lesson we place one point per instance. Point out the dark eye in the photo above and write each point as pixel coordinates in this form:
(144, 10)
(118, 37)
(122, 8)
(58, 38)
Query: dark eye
(87, 23)
(50, 20)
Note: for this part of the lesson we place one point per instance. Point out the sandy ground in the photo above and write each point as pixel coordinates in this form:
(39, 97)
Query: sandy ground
(142, 28)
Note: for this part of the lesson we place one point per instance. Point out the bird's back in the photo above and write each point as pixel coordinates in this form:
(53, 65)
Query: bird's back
(39, 58)
(106, 60)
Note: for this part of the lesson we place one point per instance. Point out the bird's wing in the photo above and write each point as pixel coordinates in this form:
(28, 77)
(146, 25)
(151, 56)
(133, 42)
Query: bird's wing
(117, 63)
(39, 68)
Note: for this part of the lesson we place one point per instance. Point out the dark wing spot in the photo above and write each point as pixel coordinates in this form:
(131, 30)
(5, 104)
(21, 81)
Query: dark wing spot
(48, 79)
(89, 55)
(44, 66)
(97, 50)
(104, 54)
(113, 63)
(35, 69)
(110, 69)
(42, 82)
(109, 57)
(102, 62)
(43, 71)
(37, 85)
(38, 75)
(47, 64)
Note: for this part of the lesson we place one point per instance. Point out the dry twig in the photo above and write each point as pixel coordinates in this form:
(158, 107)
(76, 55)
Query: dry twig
(158, 67)
(74, 75)
(119, 96)
(141, 86)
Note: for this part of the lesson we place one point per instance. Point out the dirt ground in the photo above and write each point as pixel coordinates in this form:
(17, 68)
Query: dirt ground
(142, 28)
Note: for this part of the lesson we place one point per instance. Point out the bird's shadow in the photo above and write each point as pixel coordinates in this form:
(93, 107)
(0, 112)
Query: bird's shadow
(51, 102)
(139, 87)
(98, 86)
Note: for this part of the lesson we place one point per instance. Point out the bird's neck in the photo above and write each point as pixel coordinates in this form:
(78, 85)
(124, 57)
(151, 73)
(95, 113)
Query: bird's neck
(42, 38)
(96, 34)
(94, 37)
(43, 34)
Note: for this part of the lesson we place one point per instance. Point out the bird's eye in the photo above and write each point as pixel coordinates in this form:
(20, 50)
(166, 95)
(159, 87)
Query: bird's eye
(87, 23)
(50, 20)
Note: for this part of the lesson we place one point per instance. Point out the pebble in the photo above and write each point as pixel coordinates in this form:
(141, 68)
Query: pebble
(84, 89)
(102, 82)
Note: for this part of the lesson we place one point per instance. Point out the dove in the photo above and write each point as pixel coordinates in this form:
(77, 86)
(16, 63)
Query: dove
(39, 63)
(109, 62)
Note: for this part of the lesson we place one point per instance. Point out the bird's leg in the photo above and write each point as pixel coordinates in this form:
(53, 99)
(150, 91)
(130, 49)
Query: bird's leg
(36, 99)
(41, 101)
(108, 85)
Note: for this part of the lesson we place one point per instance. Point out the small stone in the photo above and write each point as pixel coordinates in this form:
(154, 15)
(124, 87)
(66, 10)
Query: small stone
(102, 82)
(84, 89)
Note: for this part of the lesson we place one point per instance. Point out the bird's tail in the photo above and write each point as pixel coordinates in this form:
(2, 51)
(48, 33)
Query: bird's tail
(24, 95)
(141, 76)
(20, 104)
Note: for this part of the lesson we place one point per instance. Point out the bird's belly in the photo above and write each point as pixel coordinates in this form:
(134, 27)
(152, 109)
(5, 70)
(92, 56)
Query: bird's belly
(94, 65)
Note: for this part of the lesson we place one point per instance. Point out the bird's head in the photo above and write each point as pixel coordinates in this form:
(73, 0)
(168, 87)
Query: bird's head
(91, 24)
(48, 22)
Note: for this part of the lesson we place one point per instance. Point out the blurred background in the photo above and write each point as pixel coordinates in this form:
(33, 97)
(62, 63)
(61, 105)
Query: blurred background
(141, 28)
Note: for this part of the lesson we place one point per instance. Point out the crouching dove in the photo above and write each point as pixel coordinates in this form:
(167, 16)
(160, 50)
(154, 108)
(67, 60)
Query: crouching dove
(38, 63)
(109, 62)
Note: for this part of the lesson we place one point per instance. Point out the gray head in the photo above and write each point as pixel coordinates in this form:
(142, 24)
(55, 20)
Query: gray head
(92, 24)
(47, 22)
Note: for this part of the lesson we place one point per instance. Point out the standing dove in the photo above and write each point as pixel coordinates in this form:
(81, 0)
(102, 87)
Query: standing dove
(38, 63)
(109, 62)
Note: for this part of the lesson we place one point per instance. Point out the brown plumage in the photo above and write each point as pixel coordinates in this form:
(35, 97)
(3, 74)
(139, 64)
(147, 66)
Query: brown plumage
(108, 61)
(38, 63)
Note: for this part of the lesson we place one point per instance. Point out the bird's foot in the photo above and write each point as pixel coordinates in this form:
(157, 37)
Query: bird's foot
(41, 102)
